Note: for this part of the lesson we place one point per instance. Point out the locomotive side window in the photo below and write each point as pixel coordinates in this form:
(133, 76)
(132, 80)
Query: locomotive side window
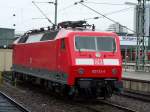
(49, 36)
(34, 38)
(63, 46)
(85, 43)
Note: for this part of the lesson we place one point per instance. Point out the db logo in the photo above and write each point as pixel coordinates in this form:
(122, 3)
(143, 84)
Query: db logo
(98, 62)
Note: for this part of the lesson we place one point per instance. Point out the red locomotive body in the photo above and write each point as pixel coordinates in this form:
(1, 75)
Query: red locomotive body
(78, 60)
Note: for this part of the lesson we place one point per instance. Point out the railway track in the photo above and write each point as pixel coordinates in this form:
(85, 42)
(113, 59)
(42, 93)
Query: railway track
(9, 105)
(120, 107)
(99, 106)
(136, 95)
(100, 102)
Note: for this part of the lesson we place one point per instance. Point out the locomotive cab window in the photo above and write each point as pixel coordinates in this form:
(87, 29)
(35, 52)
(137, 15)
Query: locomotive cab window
(49, 36)
(23, 39)
(93, 43)
(34, 38)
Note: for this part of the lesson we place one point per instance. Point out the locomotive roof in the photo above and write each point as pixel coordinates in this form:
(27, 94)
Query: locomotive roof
(64, 32)
(57, 34)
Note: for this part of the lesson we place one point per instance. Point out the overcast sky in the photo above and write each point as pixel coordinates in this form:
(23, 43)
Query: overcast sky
(25, 11)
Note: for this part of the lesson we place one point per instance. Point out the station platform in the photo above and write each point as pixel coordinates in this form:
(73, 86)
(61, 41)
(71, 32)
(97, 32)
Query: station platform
(136, 75)
(136, 81)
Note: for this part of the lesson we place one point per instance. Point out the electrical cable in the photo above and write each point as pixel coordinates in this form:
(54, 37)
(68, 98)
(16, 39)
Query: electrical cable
(43, 13)
(104, 3)
(118, 11)
(110, 13)
(82, 3)
(67, 7)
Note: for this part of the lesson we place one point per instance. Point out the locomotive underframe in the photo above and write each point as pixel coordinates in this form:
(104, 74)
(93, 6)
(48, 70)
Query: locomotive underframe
(98, 87)
(84, 87)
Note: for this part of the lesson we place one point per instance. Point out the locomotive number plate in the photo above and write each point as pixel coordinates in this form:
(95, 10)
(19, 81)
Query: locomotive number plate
(99, 71)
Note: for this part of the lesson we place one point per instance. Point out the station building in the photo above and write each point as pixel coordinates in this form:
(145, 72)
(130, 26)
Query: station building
(7, 36)
(128, 44)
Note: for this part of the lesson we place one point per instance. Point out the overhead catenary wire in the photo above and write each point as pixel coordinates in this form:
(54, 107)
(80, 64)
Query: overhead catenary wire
(46, 2)
(82, 3)
(39, 18)
(67, 7)
(110, 13)
(104, 3)
(118, 11)
(43, 13)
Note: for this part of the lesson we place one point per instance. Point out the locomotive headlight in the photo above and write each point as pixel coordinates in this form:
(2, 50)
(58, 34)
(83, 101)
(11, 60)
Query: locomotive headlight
(81, 71)
(114, 71)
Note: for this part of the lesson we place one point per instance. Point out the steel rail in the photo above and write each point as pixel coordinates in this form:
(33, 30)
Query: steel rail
(100, 102)
(14, 103)
(89, 107)
(135, 95)
(118, 106)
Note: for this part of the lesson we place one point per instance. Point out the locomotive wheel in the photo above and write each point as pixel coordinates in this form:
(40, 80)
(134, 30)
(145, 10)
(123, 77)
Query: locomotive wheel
(107, 91)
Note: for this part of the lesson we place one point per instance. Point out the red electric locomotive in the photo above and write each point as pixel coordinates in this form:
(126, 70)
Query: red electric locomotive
(71, 59)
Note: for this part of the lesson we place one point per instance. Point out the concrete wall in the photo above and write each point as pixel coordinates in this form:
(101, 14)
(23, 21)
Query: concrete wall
(136, 85)
(5, 59)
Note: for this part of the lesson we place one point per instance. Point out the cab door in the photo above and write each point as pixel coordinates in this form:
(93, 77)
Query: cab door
(62, 58)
